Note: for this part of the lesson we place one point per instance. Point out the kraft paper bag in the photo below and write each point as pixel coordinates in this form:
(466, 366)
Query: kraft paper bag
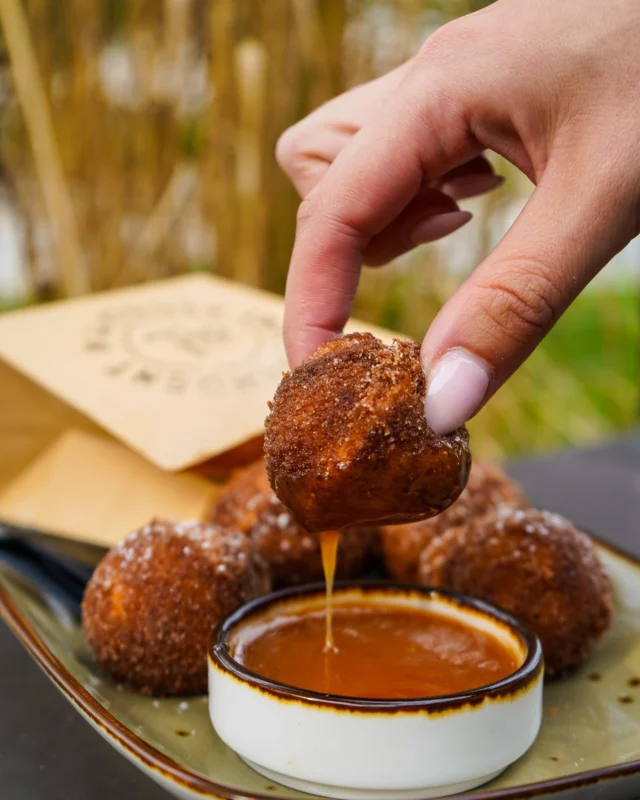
(95, 489)
(180, 371)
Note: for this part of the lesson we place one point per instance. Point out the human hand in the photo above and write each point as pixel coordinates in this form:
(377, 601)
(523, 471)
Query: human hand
(552, 86)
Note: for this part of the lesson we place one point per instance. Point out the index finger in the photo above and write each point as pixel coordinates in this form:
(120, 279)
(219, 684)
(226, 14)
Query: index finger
(371, 181)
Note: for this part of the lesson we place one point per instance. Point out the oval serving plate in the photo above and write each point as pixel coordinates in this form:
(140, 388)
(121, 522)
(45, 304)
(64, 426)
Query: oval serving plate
(589, 743)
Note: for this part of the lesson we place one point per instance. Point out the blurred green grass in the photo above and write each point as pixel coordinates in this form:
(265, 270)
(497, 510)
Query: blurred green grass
(579, 386)
(600, 334)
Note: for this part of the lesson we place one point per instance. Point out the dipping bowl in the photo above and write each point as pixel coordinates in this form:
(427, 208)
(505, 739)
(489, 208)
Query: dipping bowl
(343, 747)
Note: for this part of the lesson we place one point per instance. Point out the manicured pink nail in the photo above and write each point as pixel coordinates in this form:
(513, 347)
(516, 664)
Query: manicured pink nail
(438, 225)
(471, 185)
(456, 387)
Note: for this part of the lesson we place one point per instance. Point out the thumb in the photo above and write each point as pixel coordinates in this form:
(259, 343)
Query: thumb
(565, 234)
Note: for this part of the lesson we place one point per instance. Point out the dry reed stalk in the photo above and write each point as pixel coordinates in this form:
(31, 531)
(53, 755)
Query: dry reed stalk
(176, 29)
(159, 225)
(251, 80)
(79, 123)
(35, 109)
(277, 31)
(333, 14)
(220, 163)
(314, 57)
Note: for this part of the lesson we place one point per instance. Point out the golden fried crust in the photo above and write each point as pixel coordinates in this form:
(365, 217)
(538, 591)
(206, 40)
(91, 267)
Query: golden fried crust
(244, 498)
(152, 601)
(488, 487)
(248, 503)
(535, 565)
(402, 546)
(347, 440)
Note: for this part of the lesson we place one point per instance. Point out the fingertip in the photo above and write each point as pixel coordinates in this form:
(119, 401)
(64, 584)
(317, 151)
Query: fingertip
(438, 225)
(465, 186)
(457, 385)
(302, 342)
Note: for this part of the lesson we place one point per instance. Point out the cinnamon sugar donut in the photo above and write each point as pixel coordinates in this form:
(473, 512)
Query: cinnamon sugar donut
(537, 566)
(488, 487)
(151, 603)
(347, 441)
(248, 504)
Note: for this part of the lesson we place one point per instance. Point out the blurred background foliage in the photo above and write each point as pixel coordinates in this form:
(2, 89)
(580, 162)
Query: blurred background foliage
(137, 140)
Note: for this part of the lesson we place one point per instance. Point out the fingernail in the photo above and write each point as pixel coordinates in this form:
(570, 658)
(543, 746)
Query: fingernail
(471, 185)
(438, 225)
(456, 387)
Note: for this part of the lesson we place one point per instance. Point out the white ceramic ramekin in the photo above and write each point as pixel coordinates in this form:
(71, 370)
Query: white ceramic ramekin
(353, 748)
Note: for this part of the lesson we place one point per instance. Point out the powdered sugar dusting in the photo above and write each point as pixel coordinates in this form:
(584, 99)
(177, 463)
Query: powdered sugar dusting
(150, 605)
(137, 551)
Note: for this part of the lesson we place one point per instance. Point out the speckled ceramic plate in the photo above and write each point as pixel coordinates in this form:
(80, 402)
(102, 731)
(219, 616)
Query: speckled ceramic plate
(589, 746)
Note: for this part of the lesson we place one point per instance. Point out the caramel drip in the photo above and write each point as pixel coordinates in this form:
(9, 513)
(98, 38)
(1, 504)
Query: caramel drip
(329, 546)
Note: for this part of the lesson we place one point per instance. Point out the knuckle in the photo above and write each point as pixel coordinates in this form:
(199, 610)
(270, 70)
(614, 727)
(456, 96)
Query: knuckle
(289, 148)
(523, 307)
(338, 223)
(450, 40)
(307, 210)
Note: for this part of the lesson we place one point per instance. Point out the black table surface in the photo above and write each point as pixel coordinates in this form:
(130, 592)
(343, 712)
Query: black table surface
(48, 752)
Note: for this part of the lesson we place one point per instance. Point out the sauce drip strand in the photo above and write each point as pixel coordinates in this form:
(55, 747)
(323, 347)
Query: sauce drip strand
(329, 548)
(380, 652)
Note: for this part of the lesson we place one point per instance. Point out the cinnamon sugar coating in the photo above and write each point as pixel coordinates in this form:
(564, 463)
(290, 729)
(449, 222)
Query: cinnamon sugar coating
(151, 604)
(347, 441)
(248, 504)
(537, 566)
(488, 487)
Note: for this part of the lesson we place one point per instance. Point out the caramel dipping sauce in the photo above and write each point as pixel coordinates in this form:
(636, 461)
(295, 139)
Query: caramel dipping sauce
(380, 651)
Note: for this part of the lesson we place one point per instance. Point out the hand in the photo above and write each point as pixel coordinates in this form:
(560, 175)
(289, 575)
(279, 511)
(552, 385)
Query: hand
(554, 87)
